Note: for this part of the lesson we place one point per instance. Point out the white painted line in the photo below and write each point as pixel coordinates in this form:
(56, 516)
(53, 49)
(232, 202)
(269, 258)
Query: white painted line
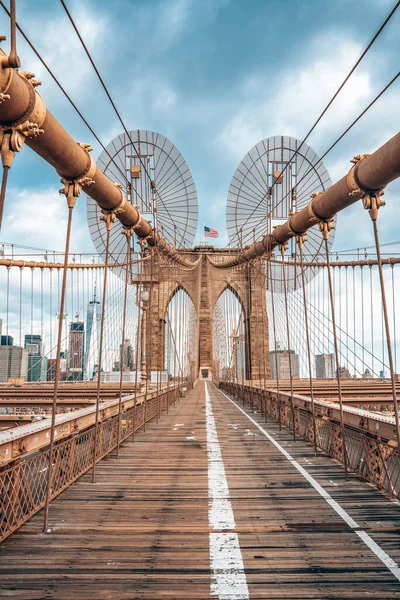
(376, 549)
(228, 576)
(229, 580)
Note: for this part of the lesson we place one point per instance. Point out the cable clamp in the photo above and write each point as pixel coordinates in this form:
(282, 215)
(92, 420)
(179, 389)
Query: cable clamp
(283, 248)
(128, 232)
(372, 203)
(356, 189)
(300, 239)
(119, 208)
(73, 187)
(314, 218)
(109, 216)
(325, 226)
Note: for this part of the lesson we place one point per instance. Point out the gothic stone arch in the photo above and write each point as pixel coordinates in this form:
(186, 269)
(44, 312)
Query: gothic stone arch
(204, 284)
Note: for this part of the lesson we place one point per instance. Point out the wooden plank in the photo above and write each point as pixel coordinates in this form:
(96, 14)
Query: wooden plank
(142, 530)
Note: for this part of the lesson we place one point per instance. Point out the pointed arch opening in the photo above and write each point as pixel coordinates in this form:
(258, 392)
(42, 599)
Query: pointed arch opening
(231, 349)
(180, 335)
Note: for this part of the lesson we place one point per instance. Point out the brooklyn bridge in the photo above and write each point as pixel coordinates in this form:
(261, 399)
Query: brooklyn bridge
(181, 418)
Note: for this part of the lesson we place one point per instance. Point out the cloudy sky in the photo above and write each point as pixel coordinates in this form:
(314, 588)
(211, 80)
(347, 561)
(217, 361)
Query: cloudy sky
(216, 77)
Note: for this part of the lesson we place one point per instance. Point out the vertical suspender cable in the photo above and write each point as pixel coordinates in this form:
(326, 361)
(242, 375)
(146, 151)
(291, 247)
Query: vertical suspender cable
(373, 203)
(107, 219)
(300, 241)
(138, 328)
(283, 248)
(324, 226)
(57, 373)
(122, 358)
(275, 344)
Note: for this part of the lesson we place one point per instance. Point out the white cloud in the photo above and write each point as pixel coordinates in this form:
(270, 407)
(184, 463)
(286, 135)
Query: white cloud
(289, 102)
(61, 49)
(173, 18)
(39, 218)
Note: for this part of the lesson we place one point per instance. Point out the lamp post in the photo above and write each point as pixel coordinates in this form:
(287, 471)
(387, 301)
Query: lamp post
(145, 305)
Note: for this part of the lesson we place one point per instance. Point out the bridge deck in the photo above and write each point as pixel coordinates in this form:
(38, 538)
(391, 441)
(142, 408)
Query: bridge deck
(161, 523)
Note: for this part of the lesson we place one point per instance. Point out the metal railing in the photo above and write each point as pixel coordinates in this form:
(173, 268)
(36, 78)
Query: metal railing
(23, 484)
(371, 456)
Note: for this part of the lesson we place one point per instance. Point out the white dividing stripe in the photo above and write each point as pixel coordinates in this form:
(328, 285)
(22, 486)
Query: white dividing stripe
(376, 549)
(228, 578)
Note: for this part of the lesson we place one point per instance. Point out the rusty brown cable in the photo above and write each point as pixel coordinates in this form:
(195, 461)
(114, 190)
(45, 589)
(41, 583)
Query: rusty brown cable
(103, 312)
(289, 349)
(138, 329)
(350, 73)
(3, 191)
(335, 343)
(56, 81)
(387, 328)
(57, 374)
(275, 342)
(149, 355)
(303, 282)
(263, 319)
(143, 164)
(345, 132)
(122, 359)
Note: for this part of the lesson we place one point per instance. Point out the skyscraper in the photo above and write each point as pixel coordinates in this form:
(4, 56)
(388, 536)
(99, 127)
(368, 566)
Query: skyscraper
(76, 350)
(280, 358)
(37, 363)
(127, 356)
(34, 344)
(13, 363)
(92, 348)
(325, 366)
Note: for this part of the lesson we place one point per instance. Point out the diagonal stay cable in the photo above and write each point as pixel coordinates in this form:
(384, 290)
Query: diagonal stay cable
(356, 64)
(111, 101)
(63, 90)
(366, 109)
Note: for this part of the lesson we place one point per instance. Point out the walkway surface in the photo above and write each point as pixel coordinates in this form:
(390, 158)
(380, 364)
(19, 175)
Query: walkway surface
(206, 504)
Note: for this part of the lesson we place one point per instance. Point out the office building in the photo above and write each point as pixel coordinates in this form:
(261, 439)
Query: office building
(13, 363)
(325, 366)
(76, 350)
(34, 344)
(127, 356)
(280, 358)
(37, 367)
(7, 340)
(92, 348)
(37, 363)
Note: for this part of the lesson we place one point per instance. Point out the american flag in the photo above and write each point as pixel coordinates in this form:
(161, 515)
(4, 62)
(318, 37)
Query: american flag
(208, 232)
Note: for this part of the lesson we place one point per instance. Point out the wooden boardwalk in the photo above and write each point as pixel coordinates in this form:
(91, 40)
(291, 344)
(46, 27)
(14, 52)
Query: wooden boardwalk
(146, 529)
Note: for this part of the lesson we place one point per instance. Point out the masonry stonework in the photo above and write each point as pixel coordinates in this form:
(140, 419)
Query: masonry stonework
(204, 284)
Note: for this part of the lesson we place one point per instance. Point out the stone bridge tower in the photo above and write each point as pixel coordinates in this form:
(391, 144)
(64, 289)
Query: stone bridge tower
(204, 284)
